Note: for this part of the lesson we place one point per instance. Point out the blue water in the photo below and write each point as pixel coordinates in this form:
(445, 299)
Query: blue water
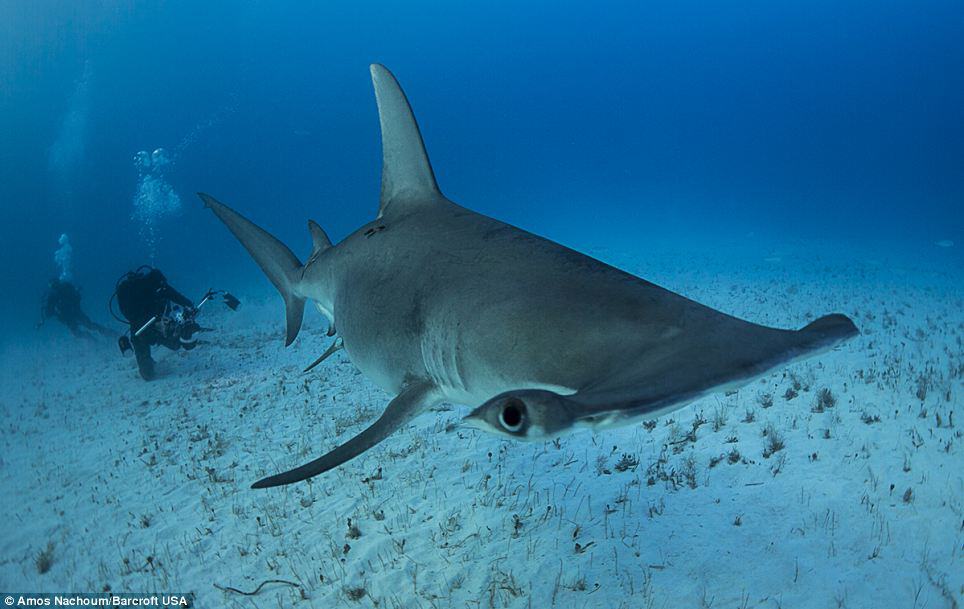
(681, 121)
(774, 160)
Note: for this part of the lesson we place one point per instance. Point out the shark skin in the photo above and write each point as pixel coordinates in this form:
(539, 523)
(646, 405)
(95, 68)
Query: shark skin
(436, 303)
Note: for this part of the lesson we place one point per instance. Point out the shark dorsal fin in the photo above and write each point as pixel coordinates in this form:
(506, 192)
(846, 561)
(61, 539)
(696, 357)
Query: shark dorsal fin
(407, 177)
(319, 238)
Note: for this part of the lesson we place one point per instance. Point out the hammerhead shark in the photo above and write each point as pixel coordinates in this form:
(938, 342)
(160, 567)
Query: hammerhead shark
(436, 303)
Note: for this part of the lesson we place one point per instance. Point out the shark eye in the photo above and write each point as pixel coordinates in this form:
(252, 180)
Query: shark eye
(511, 415)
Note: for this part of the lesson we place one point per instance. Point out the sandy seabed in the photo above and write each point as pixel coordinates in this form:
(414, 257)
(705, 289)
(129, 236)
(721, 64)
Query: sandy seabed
(834, 482)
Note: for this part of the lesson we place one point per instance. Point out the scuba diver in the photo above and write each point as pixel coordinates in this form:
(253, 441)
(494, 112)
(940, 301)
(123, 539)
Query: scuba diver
(62, 301)
(157, 314)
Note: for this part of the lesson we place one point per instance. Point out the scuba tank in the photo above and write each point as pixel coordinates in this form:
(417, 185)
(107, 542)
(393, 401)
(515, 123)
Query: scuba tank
(144, 299)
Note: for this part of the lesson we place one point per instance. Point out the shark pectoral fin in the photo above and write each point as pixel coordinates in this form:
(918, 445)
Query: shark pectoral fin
(336, 346)
(408, 404)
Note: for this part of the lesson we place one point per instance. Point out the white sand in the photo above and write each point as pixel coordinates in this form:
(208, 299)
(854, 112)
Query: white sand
(144, 486)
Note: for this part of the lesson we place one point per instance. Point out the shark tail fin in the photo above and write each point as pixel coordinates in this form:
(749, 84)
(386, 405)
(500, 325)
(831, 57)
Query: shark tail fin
(277, 261)
(407, 176)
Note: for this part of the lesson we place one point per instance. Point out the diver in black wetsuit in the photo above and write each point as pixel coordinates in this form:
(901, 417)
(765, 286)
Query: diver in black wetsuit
(62, 301)
(158, 315)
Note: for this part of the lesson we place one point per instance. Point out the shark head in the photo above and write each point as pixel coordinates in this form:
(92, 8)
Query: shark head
(529, 414)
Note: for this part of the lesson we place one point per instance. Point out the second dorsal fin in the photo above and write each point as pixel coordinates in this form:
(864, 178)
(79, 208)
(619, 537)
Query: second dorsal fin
(319, 238)
(407, 176)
